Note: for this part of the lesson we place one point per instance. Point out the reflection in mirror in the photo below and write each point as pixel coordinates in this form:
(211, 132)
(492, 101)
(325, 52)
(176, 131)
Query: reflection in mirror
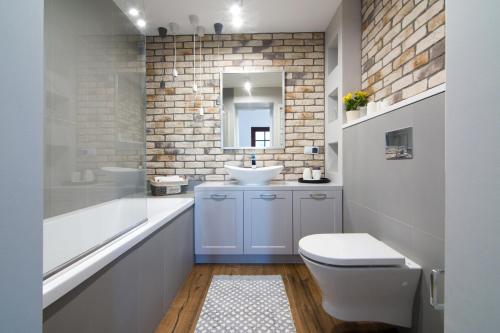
(252, 110)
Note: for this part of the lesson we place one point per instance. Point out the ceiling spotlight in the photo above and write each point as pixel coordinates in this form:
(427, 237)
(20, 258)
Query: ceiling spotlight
(237, 22)
(235, 9)
(173, 27)
(194, 20)
(248, 86)
(133, 12)
(141, 23)
(218, 28)
(162, 32)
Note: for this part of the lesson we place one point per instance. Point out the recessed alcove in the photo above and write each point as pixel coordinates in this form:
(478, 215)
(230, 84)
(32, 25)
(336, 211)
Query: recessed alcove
(333, 55)
(333, 160)
(333, 106)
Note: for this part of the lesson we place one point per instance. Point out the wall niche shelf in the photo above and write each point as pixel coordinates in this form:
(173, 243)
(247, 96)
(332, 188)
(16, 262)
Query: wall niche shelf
(333, 106)
(342, 74)
(333, 161)
(333, 55)
(426, 94)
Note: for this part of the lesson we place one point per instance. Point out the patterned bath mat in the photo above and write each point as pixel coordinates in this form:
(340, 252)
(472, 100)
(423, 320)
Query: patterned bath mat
(246, 303)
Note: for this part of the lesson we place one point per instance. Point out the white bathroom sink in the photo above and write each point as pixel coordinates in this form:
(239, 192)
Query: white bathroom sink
(257, 176)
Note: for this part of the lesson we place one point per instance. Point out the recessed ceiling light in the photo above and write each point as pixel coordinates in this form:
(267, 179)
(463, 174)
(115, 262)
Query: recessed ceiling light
(133, 12)
(235, 9)
(141, 23)
(237, 22)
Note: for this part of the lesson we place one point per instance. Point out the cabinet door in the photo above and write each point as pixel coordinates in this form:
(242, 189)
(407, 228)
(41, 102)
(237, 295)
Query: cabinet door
(316, 212)
(268, 222)
(219, 222)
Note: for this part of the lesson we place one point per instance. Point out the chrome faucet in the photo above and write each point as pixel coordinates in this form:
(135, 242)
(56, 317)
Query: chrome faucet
(253, 158)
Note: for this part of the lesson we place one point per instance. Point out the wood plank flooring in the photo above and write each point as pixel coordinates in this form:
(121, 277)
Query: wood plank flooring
(303, 294)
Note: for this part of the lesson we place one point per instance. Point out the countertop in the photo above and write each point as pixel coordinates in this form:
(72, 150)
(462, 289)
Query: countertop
(275, 185)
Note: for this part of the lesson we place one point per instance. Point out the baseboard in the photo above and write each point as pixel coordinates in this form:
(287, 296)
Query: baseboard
(247, 259)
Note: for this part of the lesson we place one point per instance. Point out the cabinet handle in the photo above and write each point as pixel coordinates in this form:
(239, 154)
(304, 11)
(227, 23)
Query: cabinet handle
(218, 196)
(268, 196)
(318, 196)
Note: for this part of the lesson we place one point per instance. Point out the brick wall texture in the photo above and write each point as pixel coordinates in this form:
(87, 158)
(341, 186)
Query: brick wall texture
(180, 141)
(402, 47)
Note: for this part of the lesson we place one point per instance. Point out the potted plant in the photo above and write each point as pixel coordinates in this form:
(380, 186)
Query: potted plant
(353, 103)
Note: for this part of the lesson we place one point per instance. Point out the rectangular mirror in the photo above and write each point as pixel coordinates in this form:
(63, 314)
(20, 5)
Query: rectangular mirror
(252, 111)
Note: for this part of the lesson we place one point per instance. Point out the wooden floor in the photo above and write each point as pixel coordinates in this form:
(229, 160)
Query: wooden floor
(303, 294)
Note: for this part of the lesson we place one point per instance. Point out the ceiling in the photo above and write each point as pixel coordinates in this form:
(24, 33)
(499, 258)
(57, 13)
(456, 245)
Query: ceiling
(257, 15)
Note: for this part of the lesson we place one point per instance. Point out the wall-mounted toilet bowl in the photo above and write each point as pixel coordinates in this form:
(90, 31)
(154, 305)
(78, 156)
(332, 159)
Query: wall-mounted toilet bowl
(361, 278)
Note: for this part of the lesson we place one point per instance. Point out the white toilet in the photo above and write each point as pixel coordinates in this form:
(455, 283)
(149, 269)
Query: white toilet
(361, 278)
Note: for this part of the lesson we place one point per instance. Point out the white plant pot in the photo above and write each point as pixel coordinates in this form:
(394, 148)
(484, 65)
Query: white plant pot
(352, 115)
(382, 106)
(371, 108)
(362, 111)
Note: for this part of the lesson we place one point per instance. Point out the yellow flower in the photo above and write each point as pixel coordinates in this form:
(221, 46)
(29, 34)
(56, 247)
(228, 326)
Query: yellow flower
(361, 94)
(347, 98)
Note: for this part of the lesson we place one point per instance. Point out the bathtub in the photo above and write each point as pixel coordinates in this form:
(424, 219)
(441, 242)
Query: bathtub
(87, 223)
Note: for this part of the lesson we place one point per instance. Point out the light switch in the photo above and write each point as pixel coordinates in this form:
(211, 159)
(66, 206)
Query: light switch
(311, 150)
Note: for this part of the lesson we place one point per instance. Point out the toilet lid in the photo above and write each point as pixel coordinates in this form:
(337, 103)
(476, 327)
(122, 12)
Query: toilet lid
(349, 250)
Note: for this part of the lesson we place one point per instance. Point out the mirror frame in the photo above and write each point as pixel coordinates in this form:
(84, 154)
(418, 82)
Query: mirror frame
(281, 144)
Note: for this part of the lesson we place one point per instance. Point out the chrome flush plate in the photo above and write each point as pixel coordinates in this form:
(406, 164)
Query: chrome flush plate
(399, 144)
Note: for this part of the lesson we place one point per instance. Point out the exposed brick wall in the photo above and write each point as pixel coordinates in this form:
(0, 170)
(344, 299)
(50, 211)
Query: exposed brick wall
(179, 141)
(402, 47)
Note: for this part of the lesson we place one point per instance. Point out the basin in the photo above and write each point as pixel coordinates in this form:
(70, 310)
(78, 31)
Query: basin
(257, 176)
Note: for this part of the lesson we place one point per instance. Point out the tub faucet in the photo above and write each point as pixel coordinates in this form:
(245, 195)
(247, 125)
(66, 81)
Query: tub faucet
(253, 158)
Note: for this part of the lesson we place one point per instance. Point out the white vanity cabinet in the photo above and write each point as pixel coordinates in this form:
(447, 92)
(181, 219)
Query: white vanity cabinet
(219, 222)
(268, 222)
(316, 212)
(248, 223)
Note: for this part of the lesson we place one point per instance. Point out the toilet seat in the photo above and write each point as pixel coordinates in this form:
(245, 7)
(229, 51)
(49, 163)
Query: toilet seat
(356, 249)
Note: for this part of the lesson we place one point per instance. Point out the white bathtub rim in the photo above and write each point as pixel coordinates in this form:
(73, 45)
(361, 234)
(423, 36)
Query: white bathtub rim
(61, 283)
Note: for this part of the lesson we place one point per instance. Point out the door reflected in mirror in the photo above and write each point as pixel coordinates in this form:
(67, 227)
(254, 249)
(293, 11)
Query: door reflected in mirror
(252, 110)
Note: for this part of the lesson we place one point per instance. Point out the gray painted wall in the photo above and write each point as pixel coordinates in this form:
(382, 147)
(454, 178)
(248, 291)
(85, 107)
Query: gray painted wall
(21, 211)
(133, 293)
(472, 167)
(401, 202)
